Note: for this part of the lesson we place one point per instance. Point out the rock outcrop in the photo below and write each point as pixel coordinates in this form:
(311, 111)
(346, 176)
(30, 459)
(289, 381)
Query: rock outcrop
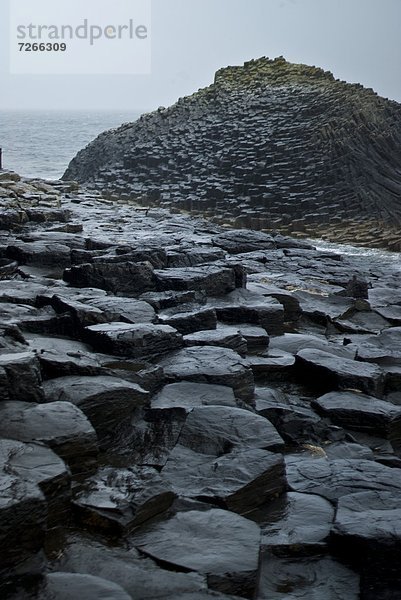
(217, 418)
(269, 146)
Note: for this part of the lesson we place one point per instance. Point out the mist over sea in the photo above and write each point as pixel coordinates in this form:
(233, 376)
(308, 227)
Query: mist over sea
(42, 143)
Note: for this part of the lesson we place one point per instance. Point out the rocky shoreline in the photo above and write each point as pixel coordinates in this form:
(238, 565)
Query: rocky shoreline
(191, 411)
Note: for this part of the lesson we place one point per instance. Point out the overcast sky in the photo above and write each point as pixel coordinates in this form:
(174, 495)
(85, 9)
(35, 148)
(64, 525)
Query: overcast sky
(358, 40)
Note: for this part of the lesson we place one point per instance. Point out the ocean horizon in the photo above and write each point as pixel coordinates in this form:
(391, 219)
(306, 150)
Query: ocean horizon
(41, 143)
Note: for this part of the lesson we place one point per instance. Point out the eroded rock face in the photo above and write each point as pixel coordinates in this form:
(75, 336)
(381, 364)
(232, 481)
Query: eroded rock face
(191, 156)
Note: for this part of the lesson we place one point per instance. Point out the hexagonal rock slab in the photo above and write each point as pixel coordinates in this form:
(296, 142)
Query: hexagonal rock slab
(188, 395)
(211, 279)
(368, 525)
(106, 401)
(218, 543)
(20, 377)
(193, 319)
(70, 586)
(333, 372)
(117, 500)
(240, 307)
(333, 479)
(362, 413)
(128, 310)
(317, 578)
(134, 341)
(60, 425)
(228, 337)
(139, 576)
(242, 479)
(119, 278)
(208, 364)
(301, 520)
(215, 430)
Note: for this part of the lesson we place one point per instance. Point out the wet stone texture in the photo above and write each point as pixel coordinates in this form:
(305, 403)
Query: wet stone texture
(189, 411)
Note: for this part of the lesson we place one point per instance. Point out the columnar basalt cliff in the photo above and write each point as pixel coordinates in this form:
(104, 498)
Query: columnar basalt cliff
(270, 145)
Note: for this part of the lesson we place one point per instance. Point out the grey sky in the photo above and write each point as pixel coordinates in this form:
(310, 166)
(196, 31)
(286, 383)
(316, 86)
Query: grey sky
(358, 40)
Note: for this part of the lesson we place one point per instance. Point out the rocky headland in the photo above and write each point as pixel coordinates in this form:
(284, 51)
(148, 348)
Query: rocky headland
(268, 146)
(189, 411)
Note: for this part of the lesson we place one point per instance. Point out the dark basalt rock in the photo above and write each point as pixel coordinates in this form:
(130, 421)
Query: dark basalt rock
(23, 520)
(367, 524)
(60, 425)
(295, 523)
(226, 151)
(240, 480)
(317, 578)
(122, 278)
(228, 337)
(237, 242)
(208, 364)
(363, 413)
(140, 577)
(142, 340)
(20, 377)
(218, 543)
(333, 479)
(189, 319)
(218, 429)
(188, 395)
(332, 372)
(69, 586)
(210, 279)
(39, 465)
(244, 307)
(106, 401)
(116, 501)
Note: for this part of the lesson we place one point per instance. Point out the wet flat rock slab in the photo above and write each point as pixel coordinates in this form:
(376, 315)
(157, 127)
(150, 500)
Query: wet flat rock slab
(217, 543)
